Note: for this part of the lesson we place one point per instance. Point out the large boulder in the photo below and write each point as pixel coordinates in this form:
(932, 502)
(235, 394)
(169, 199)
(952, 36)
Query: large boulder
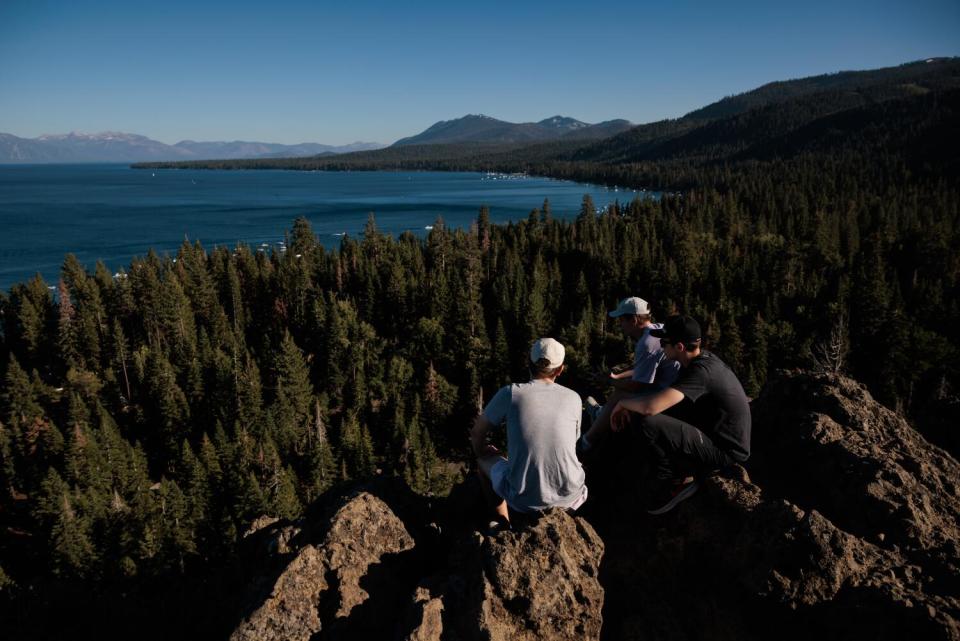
(327, 578)
(805, 570)
(826, 445)
(542, 582)
(537, 581)
(354, 570)
(848, 528)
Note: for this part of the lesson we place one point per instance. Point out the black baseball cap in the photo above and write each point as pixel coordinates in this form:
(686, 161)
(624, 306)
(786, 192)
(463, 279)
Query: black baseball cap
(679, 329)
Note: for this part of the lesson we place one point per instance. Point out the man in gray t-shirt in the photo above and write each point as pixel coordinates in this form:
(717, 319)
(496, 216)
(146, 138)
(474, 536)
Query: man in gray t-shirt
(542, 417)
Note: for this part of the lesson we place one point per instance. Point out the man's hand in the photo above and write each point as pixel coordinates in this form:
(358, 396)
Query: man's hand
(489, 450)
(619, 418)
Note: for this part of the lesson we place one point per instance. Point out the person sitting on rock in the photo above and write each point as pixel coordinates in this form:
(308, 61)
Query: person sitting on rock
(542, 419)
(718, 433)
(651, 370)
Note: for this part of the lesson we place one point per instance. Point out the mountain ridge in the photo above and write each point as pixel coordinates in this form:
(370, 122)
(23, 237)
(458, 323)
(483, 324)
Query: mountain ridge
(116, 146)
(480, 128)
(762, 123)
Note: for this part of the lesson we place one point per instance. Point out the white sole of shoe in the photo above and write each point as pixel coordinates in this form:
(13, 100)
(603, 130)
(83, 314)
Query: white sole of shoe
(682, 495)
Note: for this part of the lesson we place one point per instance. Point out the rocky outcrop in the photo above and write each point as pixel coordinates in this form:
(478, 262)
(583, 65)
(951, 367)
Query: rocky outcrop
(325, 578)
(354, 570)
(538, 581)
(844, 524)
(847, 529)
(542, 581)
(828, 446)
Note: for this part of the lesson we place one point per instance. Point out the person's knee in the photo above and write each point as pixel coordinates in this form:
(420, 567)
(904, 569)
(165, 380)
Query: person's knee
(646, 426)
(485, 465)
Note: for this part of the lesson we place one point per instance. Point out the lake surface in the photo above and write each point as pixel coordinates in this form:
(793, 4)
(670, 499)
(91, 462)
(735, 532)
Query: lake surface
(113, 213)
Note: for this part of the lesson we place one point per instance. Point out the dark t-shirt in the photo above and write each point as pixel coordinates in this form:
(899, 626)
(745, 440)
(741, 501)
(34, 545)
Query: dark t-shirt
(720, 406)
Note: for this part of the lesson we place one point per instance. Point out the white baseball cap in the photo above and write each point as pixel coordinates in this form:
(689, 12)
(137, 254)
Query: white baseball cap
(633, 306)
(549, 349)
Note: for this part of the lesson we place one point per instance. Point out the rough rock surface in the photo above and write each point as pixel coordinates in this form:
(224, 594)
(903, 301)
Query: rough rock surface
(542, 581)
(350, 576)
(538, 581)
(844, 524)
(847, 529)
(327, 576)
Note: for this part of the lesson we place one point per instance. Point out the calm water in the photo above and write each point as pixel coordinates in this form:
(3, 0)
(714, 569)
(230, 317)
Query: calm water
(113, 213)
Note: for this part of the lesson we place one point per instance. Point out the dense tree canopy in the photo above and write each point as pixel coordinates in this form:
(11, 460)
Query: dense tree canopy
(146, 419)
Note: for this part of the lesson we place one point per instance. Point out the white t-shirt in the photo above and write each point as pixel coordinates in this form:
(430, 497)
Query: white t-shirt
(649, 362)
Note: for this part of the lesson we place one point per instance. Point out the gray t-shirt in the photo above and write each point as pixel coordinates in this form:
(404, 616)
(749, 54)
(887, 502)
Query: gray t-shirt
(543, 425)
(649, 364)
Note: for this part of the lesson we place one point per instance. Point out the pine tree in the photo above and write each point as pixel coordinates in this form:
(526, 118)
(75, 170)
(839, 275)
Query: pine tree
(439, 397)
(73, 551)
(30, 322)
(67, 337)
(251, 501)
(120, 356)
(176, 527)
(249, 394)
(166, 404)
(293, 404)
(500, 358)
(322, 469)
(8, 470)
(427, 454)
(195, 485)
(413, 471)
(536, 316)
(286, 504)
(19, 400)
(757, 357)
(483, 229)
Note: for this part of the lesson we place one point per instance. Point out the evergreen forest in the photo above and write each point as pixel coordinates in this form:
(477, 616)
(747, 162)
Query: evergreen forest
(147, 420)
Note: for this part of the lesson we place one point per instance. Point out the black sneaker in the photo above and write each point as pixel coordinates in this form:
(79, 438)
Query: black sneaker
(669, 493)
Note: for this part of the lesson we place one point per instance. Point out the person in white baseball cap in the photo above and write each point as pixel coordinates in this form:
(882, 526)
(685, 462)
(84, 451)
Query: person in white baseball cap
(542, 418)
(650, 371)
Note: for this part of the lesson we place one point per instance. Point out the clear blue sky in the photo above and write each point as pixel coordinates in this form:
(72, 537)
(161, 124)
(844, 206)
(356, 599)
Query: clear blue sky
(336, 72)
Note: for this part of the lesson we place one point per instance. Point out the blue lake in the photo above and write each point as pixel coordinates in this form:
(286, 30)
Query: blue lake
(113, 213)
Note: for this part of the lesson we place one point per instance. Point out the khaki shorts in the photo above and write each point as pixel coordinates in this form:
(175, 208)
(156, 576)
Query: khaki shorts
(498, 478)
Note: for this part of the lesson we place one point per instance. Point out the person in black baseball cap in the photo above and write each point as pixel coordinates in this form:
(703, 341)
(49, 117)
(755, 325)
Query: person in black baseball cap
(718, 433)
(684, 329)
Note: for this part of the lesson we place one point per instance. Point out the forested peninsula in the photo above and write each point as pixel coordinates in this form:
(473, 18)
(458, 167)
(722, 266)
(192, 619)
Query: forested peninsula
(147, 419)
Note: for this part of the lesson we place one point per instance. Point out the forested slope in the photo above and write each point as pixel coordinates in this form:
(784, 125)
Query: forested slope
(231, 383)
(145, 420)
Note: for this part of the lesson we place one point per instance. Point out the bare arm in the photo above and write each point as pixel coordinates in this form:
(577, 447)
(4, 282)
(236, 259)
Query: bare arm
(478, 435)
(630, 386)
(644, 405)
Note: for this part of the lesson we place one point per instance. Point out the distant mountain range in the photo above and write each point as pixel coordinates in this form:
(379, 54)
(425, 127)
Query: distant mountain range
(908, 112)
(484, 129)
(123, 147)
